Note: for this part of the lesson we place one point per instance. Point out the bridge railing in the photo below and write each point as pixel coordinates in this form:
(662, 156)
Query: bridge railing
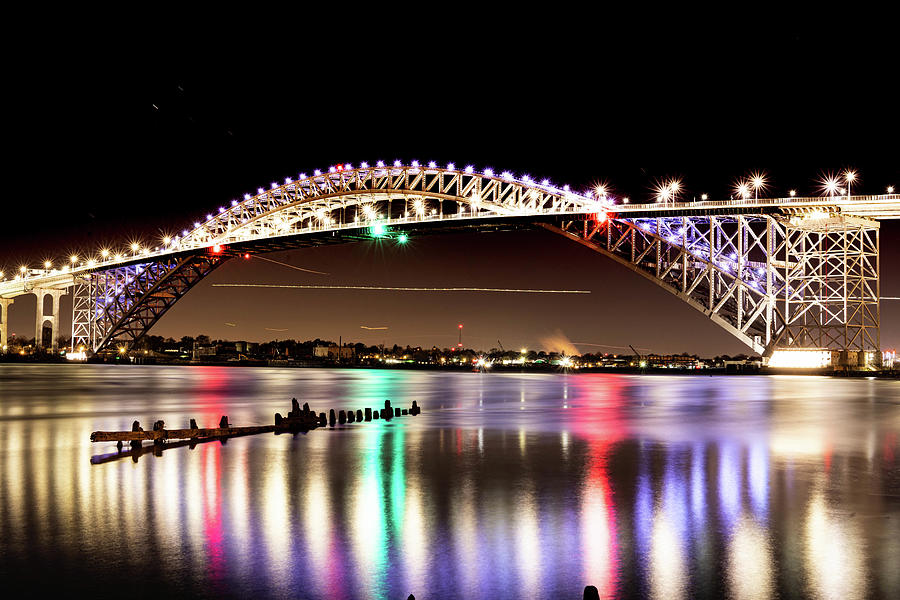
(760, 202)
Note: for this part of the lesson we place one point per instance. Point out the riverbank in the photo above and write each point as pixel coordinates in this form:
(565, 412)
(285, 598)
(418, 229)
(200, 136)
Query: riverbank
(497, 368)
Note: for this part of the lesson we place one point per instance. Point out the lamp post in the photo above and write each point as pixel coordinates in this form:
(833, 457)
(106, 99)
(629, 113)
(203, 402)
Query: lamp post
(850, 176)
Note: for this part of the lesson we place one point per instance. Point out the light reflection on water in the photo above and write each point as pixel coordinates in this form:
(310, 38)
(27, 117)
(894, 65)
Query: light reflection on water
(525, 486)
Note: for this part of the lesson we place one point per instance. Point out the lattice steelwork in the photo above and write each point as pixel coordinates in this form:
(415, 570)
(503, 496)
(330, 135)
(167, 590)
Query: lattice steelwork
(366, 196)
(808, 281)
(123, 303)
(832, 275)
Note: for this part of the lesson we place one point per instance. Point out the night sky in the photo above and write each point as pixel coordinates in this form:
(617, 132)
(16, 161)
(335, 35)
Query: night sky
(106, 149)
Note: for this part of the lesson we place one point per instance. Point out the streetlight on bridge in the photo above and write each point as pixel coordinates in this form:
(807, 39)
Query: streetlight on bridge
(850, 176)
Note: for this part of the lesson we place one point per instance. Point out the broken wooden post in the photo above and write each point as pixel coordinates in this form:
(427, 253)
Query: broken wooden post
(375, 415)
(331, 417)
(397, 412)
(404, 412)
(278, 419)
(415, 408)
(158, 426)
(359, 416)
(322, 420)
(135, 426)
(223, 422)
(591, 593)
(368, 414)
(342, 417)
(350, 416)
(193, 424)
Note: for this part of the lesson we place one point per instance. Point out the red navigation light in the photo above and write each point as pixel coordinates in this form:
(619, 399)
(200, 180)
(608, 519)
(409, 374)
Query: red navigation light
(460, 325)
(339, 167)
(217, 249)
(601, 217)
(460, 344)
(246, 257)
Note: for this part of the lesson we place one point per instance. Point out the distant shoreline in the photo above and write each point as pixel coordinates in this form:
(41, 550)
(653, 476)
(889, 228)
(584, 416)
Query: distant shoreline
(467, 369)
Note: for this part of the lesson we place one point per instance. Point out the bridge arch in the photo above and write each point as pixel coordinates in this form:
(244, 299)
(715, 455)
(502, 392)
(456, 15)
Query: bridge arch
(734, 267)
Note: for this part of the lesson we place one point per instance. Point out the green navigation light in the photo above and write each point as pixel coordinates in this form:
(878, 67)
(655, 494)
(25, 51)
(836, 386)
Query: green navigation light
(402, 238)
(378, 229)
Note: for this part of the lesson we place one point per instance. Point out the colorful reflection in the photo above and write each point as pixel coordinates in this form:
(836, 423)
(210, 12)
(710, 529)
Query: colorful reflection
(641, 486)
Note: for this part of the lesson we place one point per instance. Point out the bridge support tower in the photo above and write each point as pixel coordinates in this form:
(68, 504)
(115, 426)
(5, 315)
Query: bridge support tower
(41, 318)
(4, 323)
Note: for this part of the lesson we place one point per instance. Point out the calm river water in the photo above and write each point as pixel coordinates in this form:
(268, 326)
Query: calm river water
(507, 485)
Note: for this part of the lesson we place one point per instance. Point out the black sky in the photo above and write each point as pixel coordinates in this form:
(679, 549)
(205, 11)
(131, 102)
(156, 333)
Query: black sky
(110, 145)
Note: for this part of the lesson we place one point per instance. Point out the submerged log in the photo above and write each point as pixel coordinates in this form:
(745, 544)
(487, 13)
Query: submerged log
(174, 434)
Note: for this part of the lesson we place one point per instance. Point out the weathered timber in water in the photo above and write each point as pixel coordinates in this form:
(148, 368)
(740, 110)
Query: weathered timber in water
(176, 434)
(296, 420)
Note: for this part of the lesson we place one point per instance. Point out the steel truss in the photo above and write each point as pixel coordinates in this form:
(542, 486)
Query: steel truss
(351, 199)
(832, 275)
(120, 305)
(769, 278)
(771, 281)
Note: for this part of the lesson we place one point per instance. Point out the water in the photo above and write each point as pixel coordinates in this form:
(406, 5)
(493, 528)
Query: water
(507, 485)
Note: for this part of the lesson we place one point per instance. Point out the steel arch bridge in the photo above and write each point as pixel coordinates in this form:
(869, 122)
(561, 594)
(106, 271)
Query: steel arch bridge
(782, 272)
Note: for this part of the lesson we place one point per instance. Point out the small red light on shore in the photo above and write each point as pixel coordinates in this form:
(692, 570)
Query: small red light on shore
(246, 256)
(460, 344)
(460, 325)
(217, 249)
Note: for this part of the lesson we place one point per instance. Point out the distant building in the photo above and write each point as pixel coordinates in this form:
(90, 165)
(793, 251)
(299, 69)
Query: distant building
(334, 352)
(673, 361)
(246, 347)
(201, 352)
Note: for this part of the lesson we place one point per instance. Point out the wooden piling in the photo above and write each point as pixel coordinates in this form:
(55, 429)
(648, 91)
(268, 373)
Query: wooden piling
(359, 416)
(223, 422)
(342, 417)
(331, 417)
(368, 414)
(350, 416)
(193, 424)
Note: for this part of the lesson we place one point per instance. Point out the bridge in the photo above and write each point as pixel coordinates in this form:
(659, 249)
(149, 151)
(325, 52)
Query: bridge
(776, 273)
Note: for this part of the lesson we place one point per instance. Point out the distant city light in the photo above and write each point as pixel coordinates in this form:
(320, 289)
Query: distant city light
(793, 193)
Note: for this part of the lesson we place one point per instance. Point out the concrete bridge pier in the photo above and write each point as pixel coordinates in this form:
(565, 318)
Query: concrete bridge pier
(53, 317)
(4, 323)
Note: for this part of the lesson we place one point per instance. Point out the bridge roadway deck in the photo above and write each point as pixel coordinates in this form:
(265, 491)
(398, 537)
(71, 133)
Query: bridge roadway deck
(884, 206)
